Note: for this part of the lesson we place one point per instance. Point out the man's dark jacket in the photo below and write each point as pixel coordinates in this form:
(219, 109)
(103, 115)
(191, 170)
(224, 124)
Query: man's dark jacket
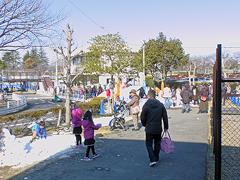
(153, 113)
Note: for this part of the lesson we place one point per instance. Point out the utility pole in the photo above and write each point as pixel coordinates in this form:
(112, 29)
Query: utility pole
(144, 73)
(2, 80)
(143, 59)
(56, 75)
(189, 73)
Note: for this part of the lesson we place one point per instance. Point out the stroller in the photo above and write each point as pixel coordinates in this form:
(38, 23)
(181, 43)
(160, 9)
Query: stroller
(118, 120)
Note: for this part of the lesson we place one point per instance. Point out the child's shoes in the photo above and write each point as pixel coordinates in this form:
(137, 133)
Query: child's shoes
(96, 155)
(86, 159)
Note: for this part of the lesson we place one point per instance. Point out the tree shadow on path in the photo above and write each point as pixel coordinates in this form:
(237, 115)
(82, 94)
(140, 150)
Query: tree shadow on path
(124, 159)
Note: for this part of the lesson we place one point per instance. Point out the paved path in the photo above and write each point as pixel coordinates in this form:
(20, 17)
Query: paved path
(124, 156)
(36, 101)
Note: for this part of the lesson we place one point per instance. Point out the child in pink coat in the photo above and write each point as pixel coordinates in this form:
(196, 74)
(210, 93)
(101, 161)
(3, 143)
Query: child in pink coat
(88, 132)
(77, 114)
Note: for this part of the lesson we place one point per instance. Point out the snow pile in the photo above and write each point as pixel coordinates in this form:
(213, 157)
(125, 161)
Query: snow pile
(19, 152)
(104, 121)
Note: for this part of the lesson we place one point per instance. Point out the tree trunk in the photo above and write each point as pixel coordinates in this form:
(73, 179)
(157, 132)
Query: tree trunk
(59, 117)
(68, 74)
(67, 106)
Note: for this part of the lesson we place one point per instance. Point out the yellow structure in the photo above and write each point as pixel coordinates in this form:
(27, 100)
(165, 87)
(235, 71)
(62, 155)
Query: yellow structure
(117, 93)
(162, 85)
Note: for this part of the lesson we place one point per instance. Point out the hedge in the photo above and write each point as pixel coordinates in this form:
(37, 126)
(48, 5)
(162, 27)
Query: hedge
(31, 114)
(149, 81)
(94, 104)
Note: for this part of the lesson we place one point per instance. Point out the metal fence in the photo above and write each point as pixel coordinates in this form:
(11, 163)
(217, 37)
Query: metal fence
(13, 106)
(226, 121)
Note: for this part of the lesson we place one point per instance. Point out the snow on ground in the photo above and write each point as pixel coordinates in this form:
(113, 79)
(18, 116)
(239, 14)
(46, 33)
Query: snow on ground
(104, 121)
(18, 152)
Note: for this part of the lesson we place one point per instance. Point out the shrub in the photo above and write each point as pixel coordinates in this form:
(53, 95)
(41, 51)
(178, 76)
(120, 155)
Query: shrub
(32, 114)
(94, 104)
(149, 81)
(17, 131)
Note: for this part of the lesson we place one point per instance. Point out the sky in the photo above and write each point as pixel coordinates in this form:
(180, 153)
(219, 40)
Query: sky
(199, 24)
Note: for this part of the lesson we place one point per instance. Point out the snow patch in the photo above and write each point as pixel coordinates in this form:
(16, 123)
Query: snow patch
(19, 152)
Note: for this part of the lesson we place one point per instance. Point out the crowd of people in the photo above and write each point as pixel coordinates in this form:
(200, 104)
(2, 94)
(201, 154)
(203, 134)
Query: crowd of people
(185, 96)
(82, 92)
(153, 114)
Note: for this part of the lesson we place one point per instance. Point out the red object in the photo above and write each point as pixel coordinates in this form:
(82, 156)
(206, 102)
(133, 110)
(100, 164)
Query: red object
(108, 93)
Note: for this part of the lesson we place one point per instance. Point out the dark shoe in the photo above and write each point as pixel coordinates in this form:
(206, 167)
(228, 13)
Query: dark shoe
(135, 129)
(151, 164)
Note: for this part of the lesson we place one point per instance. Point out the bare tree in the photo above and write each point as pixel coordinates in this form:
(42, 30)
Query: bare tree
(67, 56)
(202, 64)
(25, 23)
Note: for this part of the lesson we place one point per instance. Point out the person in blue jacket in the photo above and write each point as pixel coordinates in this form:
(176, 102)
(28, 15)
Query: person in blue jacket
(39, 130)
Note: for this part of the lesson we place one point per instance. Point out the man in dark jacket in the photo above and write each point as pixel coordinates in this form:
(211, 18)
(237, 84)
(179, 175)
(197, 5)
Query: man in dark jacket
(186, 95)
(153, 113)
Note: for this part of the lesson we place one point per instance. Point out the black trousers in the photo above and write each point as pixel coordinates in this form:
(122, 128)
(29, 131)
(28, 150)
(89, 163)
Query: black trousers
(78, 139)
(153, 146)
(88, 150)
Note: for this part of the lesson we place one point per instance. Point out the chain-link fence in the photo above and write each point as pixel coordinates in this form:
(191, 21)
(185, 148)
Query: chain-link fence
(226, 113)
(230, 113)
(231, 132)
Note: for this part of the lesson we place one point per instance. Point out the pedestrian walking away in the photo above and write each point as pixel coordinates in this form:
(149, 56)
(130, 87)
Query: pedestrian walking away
(134, 108)
(88, 131)
(153, 113)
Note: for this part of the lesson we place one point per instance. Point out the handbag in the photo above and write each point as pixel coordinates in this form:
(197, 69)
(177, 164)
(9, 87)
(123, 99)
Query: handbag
(167, 144)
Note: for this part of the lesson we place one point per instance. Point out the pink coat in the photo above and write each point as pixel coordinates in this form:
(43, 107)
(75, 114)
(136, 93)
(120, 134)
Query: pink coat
(89, 128)
(77, 114)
